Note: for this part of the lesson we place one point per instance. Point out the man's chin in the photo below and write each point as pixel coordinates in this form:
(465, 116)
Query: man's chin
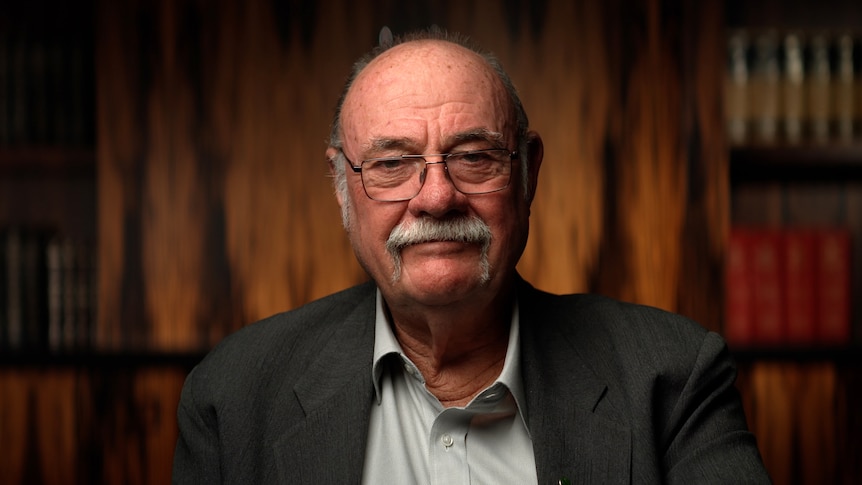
(442, 256)
(443, 275)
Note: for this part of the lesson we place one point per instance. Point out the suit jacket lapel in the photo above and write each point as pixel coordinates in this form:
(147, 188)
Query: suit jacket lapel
(336, 393)
(574, 419)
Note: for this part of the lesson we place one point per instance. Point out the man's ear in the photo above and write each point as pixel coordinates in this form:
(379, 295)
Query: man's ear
(332, 158)
(535, 153)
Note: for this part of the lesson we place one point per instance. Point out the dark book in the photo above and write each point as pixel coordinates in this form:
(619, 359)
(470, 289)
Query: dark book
(34, 290)
(55, 294)
(4, 291)
(739, 321)
(5, 88)
(14, 291)
(800, 298)
(767, 266)
(833, 286)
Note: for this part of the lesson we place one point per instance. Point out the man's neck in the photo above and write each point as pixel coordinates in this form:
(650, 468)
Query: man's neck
(459, 354)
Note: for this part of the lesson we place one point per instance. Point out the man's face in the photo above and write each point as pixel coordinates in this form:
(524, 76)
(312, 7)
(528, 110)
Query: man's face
(427, 98)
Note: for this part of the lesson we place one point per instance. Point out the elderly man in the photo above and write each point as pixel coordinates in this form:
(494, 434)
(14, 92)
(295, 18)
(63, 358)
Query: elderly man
(448, 368)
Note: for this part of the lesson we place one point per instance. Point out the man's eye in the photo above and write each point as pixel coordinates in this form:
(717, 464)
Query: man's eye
(387, 165)
(473, 157)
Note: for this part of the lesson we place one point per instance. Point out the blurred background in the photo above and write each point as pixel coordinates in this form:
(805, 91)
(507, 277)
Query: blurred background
(163, 183)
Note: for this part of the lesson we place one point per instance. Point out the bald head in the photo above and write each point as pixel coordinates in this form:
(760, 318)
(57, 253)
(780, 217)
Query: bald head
(429, 61)
(425, 87)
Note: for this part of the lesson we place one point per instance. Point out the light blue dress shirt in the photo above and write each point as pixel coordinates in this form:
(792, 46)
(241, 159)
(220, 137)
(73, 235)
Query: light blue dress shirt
(413, 439)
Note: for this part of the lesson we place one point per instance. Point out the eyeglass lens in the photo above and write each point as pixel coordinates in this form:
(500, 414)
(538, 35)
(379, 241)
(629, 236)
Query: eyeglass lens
(401, 178)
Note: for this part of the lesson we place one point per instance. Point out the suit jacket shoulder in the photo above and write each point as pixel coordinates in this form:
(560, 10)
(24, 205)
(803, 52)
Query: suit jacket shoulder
(627, 393)
(257, 409)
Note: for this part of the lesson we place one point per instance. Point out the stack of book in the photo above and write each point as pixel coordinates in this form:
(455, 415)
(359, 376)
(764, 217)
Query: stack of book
(46, 87)
(47, 296)
(793, 86)
(788, 287)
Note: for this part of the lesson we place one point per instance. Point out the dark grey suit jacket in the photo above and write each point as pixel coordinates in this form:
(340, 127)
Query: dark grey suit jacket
(616, 393)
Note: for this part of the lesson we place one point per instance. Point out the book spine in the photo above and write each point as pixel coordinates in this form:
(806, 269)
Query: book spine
(18, 111)
(5, 87)
(83, 291)
(793, 83)
(819, 88)
(35, 290)
(799, 286)
(766, 78)
(844, 86)
(14, 292)
(737, 87)
(767, 295)
(55, 295)
(833, 286)
(4, 291)
(739, 323)
(70, 316)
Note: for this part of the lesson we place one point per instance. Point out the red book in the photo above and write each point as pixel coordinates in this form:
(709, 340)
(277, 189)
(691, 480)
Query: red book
(800, 300)
(833, 286)
(767, 267)
(738, 317)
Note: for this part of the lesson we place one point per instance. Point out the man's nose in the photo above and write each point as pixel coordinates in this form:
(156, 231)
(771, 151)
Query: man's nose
(438, 195)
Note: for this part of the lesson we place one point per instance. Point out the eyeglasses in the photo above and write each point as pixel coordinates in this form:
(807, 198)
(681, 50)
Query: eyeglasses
(394, 179)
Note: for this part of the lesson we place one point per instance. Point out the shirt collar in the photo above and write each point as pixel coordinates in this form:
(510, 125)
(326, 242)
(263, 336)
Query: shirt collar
(386, 344)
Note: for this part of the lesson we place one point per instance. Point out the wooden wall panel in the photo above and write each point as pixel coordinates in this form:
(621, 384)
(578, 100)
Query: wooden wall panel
(38, 426)
(127, 420)
(25, 447)
(565, 74)
(73, 425)
(215, 208)
(805, 417)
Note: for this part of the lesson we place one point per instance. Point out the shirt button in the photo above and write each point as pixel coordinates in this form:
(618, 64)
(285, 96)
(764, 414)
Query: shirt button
(411, 370)
(447, 440)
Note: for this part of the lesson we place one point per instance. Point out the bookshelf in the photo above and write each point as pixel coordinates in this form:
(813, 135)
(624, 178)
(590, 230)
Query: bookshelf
(41, 162)
(95, 360)
(845, 356)
(812, 163)
(799, 169)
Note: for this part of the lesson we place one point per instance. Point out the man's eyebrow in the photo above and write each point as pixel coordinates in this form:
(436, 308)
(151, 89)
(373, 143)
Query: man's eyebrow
(383, 144)
(479, 134)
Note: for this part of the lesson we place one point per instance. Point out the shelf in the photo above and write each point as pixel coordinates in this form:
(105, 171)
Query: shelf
(99, 360)
(840, 355)
(787, 163)
(53, 162)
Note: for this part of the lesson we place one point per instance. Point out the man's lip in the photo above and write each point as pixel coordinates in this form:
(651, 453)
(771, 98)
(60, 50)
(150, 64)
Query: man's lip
(440, 246)
(444, 241)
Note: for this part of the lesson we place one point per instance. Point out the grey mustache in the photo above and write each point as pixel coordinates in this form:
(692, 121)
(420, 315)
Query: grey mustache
(465, 229)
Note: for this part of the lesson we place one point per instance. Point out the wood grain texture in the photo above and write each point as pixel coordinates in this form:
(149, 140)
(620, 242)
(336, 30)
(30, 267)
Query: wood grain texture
(38, 426)
(74, 425)
(805, 418)
(215, 209)
(127, 420)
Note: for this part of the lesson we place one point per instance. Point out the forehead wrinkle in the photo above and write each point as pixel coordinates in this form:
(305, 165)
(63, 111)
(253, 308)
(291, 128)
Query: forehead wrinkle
(406, 144)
